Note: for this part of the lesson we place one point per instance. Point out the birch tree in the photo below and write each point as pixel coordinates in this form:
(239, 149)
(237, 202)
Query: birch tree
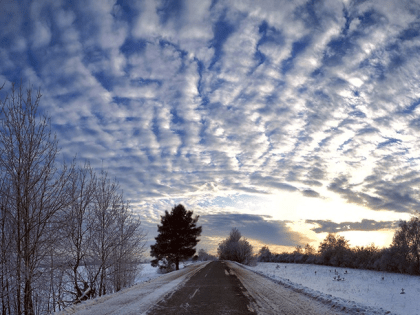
(66, 234)
(76, 241)
(34, 189)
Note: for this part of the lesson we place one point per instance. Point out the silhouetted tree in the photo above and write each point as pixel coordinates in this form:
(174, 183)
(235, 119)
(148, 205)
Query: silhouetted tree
(178, 236)
(333, 250)
(406, 245)
(309, 249)
(264, 255)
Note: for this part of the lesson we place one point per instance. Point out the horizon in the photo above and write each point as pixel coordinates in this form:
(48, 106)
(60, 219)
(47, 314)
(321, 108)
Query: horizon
(287, 120)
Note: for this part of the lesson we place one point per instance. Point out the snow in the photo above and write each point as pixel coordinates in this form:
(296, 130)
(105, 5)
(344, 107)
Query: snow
(147, 273)
(150, 287)
(360, 289)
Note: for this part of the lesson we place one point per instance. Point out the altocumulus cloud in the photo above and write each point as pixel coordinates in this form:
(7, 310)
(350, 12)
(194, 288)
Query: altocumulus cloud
(364, 225)
(185, 100)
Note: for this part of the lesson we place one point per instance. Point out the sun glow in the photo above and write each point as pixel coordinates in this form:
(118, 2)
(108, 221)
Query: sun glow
(381, 238)
(291, 206)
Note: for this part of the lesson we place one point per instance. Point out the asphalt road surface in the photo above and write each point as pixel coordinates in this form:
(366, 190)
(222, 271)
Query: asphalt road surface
(227, 288)
(213, 290)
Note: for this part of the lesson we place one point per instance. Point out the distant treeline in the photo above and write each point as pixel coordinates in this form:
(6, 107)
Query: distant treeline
(403, 255)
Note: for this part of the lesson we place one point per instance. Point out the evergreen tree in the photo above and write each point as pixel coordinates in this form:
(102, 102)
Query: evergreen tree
(177, 237)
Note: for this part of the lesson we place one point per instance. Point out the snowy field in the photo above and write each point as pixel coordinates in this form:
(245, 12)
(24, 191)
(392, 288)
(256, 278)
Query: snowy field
(360, 288)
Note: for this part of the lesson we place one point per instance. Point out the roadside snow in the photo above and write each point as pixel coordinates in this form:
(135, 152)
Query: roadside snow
(150, 288)
(360, 288)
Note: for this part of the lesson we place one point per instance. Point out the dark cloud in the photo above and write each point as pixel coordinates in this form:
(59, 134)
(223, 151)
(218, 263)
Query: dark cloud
(310, 193)
(270, 181)
(365, 225)
(395, 195)
(257, 227)
(388, 142)
(367, 130)
(316, 173)
(312, 183)
(342, 187)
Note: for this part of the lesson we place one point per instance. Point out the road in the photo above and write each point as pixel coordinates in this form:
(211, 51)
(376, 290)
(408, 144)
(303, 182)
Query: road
(227, 288)
(219, 287)
(213, 290)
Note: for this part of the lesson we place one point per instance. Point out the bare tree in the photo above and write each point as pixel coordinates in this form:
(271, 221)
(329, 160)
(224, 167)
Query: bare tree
(204, 256)
(6, 248)
(103, 241)
(107, 202)
(130, 247)
(116, 240)
(235, 248)
(406, 245)
(65, 234)
(34, 189)
(77, 222)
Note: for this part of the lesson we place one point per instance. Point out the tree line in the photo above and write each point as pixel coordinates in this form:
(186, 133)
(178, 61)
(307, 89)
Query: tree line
(66, 232)
(402, 256)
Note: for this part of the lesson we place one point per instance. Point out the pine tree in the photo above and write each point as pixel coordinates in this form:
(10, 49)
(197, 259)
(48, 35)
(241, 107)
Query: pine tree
(177, 238)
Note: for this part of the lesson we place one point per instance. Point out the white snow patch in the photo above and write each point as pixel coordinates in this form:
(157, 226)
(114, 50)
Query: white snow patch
(147, 273)
(360, 289)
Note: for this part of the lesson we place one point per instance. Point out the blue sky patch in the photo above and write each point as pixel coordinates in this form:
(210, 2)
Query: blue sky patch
(222, 29)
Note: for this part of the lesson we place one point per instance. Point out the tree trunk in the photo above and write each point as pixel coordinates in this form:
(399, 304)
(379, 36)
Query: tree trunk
(29, 307)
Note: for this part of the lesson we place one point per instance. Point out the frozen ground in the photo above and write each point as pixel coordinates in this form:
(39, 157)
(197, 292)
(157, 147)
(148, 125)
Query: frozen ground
(360, 288)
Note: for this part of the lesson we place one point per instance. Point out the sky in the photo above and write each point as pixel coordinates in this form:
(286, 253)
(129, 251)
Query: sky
(286, 119)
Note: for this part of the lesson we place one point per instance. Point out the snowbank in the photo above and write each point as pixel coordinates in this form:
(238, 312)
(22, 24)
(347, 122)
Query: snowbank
(147, 273)
(372, 292)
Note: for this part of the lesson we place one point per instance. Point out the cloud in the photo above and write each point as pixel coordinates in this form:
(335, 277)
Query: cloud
(310, 193)
(256, 227)
(364, 225)
(216, 97)
(269, 181)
